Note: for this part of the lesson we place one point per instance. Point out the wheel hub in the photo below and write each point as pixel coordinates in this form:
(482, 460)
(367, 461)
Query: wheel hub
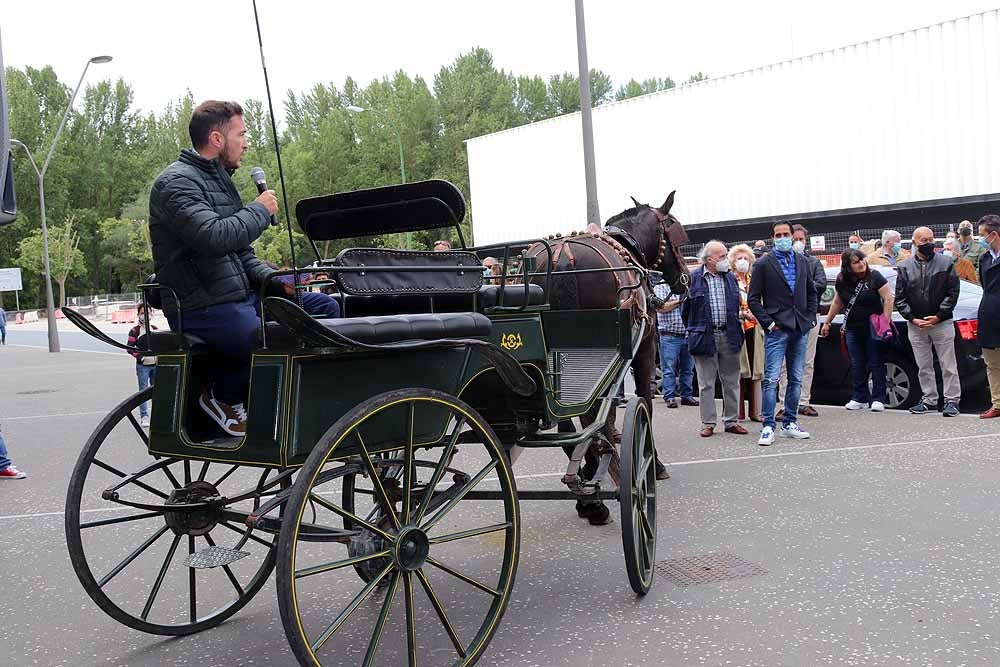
(411, 549)
(193, 522)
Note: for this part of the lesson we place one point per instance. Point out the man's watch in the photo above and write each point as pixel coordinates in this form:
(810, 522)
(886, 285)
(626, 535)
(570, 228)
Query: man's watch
(771, 326)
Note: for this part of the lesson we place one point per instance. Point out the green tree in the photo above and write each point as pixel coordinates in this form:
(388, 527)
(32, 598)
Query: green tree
(696, 77)
(127, 250)
(531, 98)
(634, 88)
(65, 258)
(564, 90)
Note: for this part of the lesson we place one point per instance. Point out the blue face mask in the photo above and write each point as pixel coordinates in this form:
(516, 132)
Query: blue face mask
(984, 243)
(487, 272)
(783, 244)
(855, 246)
(896, 247)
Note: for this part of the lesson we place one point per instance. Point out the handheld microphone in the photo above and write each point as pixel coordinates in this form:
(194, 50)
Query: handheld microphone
(257, 175)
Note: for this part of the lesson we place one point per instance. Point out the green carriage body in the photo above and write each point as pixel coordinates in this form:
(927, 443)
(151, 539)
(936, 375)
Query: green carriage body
(296, 395)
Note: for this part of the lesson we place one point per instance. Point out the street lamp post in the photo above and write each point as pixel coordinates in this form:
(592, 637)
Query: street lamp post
(589, 171)
(49, 301)
(402, 165)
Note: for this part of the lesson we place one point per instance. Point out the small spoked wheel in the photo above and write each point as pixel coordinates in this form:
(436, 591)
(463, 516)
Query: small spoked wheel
(160, 544)
(401, 537)
(637, 495)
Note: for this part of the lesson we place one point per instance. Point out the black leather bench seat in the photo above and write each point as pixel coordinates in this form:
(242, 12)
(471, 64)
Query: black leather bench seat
(380, 329)
(167, 341)
(486, 297)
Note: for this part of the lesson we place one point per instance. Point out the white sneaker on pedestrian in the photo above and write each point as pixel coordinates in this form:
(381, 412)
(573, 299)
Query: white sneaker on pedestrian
(144, 421)
(793, 431)
(856, 405)
(878, 406)
(766, 436)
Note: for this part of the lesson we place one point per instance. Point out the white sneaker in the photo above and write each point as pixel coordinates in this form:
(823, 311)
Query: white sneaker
(855, 405)
(231, 418)
(144, 422)
(766, 436)
(878, 406)
(793, 431)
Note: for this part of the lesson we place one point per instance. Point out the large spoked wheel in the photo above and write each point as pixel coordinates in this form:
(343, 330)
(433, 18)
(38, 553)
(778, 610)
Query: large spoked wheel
(411, 490)
(134, 522)
(637, 496)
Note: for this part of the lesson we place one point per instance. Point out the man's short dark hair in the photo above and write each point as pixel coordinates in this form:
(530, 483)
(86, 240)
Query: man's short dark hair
(800, 228)
(781, 223)
(990, 222)
(209, 116)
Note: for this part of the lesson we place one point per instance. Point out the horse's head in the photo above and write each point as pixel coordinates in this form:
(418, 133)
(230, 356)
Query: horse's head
(656, 236)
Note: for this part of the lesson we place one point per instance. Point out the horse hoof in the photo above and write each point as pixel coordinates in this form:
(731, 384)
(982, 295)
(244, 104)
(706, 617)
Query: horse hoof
(596, 513)
(661, 471)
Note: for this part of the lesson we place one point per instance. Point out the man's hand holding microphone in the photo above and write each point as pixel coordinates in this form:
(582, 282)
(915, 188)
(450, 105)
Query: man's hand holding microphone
(266, 197)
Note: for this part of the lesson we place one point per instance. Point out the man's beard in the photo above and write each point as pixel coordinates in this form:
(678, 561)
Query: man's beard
(226, 157)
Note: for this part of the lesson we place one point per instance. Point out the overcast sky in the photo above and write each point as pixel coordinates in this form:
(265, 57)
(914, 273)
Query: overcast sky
(210, 46)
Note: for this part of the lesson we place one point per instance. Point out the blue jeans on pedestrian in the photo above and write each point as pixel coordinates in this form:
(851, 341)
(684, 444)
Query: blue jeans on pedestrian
(4, 460)
(783, 345)
(867, 357)
(676, 365)
(145, 374)
(229, 328)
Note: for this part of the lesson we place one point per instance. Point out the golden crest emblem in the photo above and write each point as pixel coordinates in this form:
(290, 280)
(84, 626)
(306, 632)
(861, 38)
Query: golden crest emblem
(511, 341)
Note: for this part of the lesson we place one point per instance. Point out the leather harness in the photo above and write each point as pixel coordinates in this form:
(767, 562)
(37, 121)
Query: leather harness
(624, 244)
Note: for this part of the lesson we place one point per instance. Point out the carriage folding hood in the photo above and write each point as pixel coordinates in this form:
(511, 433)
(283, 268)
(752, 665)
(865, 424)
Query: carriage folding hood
(904, 118)
(8, 205)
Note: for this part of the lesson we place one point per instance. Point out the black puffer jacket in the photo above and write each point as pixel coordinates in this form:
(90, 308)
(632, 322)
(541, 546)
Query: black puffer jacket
(925, 288)
(201, 234)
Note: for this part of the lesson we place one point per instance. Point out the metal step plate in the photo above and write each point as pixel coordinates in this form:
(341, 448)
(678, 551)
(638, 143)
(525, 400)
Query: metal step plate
(582, 370)
(214, 557)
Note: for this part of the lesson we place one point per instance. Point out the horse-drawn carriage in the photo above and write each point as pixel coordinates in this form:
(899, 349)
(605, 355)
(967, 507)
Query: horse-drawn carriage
(373, 445)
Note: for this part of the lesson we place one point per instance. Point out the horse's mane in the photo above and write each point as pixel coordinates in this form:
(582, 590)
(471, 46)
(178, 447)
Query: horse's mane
(628, 215)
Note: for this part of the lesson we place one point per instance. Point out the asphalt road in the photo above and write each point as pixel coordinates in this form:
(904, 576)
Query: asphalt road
(876, 544)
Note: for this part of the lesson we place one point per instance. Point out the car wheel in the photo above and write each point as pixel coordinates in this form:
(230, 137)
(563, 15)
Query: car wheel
(902, 385)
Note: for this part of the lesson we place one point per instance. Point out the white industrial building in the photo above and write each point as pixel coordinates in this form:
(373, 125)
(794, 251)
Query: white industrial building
(889, 130)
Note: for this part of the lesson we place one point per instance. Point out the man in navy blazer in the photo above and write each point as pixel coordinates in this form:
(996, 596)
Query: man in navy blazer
(783, 298)
(989, 307)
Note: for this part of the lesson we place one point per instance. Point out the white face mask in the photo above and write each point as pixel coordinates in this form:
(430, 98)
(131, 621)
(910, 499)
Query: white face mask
(799, 246)
(742, 265)
(722, 265)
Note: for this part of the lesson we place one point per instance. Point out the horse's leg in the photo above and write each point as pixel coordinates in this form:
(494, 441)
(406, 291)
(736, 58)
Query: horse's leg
(643, 365)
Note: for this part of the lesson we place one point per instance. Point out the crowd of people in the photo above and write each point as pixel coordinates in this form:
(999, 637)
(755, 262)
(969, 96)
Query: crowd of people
(750, 322)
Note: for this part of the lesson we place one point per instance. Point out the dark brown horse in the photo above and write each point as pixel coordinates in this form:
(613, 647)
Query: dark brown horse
(644, 237)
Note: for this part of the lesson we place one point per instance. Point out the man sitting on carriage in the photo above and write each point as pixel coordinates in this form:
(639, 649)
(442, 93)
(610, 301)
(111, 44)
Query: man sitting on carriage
(201, 235)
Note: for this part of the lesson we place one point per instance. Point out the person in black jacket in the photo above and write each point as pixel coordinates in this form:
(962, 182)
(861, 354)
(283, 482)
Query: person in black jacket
(782, 297)
(927, 290)
(989, 308)
(201, 234)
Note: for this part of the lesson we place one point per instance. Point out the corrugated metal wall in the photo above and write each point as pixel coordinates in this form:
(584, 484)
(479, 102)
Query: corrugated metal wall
(914, 116)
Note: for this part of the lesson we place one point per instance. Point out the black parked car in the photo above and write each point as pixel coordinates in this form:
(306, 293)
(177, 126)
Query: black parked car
(832, 380)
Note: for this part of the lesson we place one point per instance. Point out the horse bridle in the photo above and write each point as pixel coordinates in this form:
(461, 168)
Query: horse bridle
(630, 242)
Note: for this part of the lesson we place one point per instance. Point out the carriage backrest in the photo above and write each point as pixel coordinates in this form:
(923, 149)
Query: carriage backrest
(452, 272)
(409, 207)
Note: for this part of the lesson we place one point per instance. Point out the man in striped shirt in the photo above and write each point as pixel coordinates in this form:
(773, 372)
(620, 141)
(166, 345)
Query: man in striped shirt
(676, 362)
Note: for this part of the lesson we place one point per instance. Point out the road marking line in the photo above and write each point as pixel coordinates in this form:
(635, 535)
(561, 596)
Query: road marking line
(64, 349)
(835, 449)
(60, 414)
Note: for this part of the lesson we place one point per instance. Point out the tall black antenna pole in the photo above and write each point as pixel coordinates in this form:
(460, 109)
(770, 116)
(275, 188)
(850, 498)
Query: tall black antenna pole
(277, 150)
